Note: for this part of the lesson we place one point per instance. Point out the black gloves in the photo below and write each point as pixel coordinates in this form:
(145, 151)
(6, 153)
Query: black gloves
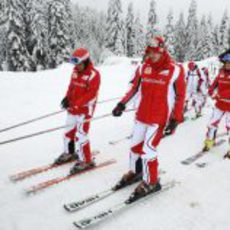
(65, 103)
(118, 110)
(171, 127)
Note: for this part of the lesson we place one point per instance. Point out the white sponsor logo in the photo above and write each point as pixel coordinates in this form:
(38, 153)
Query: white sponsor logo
(154, 81)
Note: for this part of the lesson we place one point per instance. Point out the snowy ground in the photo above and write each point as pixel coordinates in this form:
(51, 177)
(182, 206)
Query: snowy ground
(200, 202)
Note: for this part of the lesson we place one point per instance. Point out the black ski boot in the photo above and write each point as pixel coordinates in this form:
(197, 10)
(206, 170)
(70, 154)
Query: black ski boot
(81, 166)
(127, 179)
(227, 155)
(65, 158)
(142, 190)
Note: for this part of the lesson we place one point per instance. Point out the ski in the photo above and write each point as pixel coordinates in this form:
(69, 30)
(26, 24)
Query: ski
(78, 205)
(201, 164)
(120, 140)
(45, 184)
(34, 171)
(88, 222)
(201, 153)
(211, 161)
(196, 118)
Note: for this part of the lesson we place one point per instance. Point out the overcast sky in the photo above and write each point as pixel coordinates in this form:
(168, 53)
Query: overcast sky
(215, 7)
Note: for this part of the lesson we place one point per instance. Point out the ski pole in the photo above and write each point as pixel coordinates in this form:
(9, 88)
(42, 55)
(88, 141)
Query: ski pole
(120, 140)
(45, 116)
(30, 121)
(55, 129)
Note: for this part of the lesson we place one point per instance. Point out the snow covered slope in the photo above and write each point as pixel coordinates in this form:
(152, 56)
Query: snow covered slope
(200, 202)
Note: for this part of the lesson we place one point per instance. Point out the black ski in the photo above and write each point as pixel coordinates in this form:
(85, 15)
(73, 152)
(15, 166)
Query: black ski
(88, 222)
(78, 205)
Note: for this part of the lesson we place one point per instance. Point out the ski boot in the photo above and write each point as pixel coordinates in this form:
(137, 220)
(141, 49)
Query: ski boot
(227, 155)
(127, 179)
(65, 158)
(81, 166)
(198, 115)
(208, 144)
(142, 190)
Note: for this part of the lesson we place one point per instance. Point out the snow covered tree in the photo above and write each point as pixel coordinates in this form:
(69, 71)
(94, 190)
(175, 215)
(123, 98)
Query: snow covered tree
(3, 42)
(130, 33)
(38, 48)
(216, 39)
(180, 39)
(114, 27)
(139, 37)
(169, 34)
(152, 21)
(17, 55)
(4, 11)
(191, 29)
(204, 48)
(223, 33)
(90, 30)
(59, 37)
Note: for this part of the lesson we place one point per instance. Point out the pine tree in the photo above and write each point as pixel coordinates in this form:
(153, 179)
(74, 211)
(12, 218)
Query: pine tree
(210, 35)
(169, 34)
(17, 55)
(152, 21)
(192, 26)
(130, 33)
(39, 49)
(59, 37)
(223, 33)
(216, 39)
(4, 12)
(139, 37)
(180, 39)
(115, 27)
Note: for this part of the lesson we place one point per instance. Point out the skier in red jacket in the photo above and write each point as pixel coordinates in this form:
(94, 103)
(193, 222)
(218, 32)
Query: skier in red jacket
(161, 85)
(80, 102)
(220, 91)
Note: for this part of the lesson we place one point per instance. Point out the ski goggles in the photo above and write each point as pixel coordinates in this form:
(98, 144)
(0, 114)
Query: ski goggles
(226, 58)
(154, 43)
(76, 60)
(155, 46)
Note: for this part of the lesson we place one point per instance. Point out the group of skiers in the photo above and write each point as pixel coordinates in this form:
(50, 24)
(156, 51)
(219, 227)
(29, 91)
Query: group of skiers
(164, 91)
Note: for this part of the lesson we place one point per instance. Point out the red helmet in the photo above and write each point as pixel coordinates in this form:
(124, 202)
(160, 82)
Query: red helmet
(156, 44)
(79, 55)
(192, 65)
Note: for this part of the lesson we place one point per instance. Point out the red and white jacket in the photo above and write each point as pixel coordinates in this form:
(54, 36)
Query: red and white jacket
(221, 85)
(162, 93)
(83, 90)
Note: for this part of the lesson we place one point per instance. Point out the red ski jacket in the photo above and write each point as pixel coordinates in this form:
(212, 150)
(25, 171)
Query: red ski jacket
(162, 92)
(221, 85)
(83, 90)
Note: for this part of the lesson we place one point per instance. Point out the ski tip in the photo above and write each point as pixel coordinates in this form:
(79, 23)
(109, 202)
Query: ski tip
(66, 207)
(13, 178)
(77, 225)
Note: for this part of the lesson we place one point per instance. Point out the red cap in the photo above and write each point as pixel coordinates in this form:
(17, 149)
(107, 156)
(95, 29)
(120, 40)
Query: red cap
(80, 55)
(192, 65)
